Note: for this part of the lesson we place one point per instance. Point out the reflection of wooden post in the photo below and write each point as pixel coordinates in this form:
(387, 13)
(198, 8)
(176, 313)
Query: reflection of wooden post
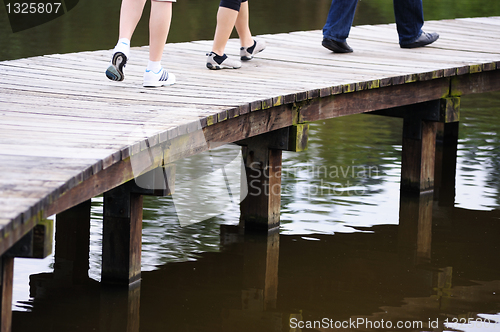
(7, 276)
(73, 244)
(446, 163)
(415, 225)
(260, 282)
(261, 272)
(120, 308)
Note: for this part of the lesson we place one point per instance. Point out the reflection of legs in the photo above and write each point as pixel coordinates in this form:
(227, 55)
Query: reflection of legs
(159, 25)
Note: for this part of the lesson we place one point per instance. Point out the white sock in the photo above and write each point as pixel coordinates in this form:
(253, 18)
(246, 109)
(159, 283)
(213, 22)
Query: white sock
(123, 46)
(154, 66)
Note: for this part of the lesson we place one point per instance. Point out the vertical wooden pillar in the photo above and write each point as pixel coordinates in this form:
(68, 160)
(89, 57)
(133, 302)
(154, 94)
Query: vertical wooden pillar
(415, 225)
(417, 162)
(7, 277)
(73, 244)
(121, 236)
(260, 210)
(446, 163)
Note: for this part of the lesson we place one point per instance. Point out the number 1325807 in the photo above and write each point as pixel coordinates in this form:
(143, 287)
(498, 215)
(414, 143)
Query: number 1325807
(33, 8)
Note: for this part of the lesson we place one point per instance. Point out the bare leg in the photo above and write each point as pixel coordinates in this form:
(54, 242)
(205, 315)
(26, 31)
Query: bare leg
(130, 14)
(226, 19)
(159, 25)
(243, 27)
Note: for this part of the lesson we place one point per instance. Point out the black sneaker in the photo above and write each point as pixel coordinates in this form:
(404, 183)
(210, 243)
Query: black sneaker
(336, 46)
(115, 69)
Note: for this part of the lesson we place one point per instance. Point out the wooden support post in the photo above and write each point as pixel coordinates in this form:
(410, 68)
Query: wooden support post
(417, 161)
(121, 237)
(420, 128)
(446, 152)
(260, 210)
(122, 225)
(73, 244)
(415, 225)
(7, 276)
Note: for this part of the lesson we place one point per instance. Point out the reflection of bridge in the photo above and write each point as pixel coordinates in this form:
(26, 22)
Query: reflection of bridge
(263, 281)
(68, 136)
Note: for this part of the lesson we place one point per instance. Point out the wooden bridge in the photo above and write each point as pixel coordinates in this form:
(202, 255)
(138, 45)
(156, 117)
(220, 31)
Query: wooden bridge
(68, 134)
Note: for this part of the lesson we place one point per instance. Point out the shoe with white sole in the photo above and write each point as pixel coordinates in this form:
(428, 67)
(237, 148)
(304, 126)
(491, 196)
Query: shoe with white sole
(247, 53)
(215, 61)
(115, 69)
(160, 78)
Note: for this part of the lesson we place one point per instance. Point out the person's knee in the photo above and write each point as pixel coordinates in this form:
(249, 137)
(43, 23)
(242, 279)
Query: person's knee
(231, 4)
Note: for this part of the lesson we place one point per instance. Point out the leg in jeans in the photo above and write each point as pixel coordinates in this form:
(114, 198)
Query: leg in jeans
(409, 20)
(339, 20)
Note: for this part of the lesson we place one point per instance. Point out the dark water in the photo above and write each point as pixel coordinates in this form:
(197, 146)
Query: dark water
(349, 248)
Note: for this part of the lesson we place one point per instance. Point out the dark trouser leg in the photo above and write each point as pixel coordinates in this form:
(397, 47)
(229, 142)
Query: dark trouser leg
(339, 20)
(409, 19)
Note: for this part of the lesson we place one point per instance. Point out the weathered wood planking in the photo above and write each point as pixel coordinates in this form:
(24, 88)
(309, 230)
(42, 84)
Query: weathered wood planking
(67, 135)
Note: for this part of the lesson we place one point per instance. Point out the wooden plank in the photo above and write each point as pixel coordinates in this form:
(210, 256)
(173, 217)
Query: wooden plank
(371, 100)
(476, 83)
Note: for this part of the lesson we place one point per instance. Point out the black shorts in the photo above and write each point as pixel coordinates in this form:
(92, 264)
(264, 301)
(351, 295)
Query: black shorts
(231, 4)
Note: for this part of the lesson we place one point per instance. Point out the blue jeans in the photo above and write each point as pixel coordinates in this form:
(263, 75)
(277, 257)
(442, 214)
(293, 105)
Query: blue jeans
(409, 19)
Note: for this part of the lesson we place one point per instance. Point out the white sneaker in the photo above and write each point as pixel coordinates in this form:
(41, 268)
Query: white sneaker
(161, 78)
(215, 61)
(258, 46)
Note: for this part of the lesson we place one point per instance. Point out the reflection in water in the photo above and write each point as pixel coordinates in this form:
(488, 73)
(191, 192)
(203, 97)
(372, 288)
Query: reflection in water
(338, 255)
(271, 283)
